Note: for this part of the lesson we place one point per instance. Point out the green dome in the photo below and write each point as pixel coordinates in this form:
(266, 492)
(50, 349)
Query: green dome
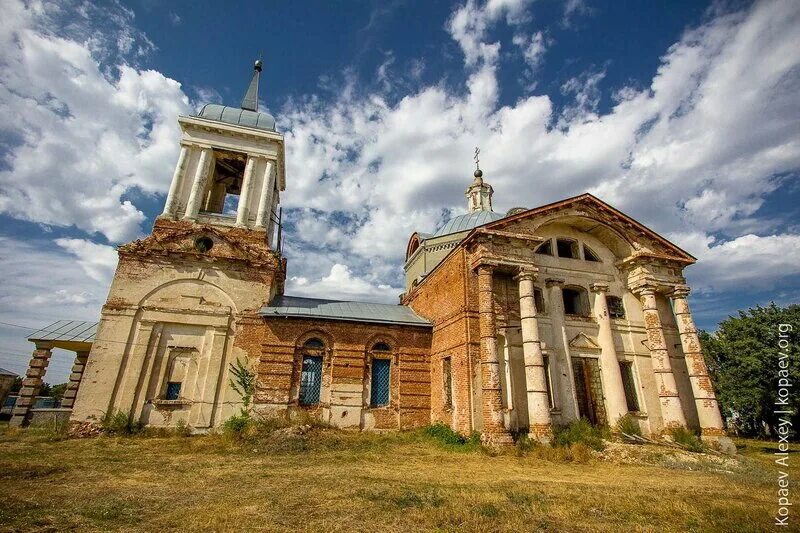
(238, 116)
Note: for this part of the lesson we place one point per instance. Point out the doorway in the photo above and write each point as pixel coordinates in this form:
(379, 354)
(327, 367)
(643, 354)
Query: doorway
(589, 390)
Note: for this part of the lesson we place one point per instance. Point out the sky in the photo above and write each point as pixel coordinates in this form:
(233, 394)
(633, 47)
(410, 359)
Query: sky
(684, 115)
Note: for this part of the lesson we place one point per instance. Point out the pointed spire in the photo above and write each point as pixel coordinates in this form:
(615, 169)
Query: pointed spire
(250, 100)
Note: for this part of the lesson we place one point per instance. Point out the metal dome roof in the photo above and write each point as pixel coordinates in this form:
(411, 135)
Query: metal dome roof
(467, 221)
(235, 115)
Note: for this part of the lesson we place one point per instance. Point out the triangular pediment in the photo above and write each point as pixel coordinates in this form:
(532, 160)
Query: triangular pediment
(582, 341)
(592, 215)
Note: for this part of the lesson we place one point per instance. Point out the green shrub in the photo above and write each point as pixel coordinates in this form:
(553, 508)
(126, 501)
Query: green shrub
(237, 426)
(120, 423)
(628, 426)
(524, 444)
(687, 439)
(446, 436)
(580, 432)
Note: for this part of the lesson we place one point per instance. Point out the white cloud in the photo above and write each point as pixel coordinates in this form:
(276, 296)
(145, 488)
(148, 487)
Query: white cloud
(533, 48)
(85, 132)
(340, 283)
(696, 151)
(43, 284)
(748, 262)
(97, 260)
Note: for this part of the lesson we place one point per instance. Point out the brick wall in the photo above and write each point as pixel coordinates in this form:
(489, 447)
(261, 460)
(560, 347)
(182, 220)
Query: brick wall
(275, 347)
(448, 298)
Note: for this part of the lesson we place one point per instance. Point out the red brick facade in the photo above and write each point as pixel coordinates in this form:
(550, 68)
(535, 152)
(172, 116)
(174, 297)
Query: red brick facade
(347, 357)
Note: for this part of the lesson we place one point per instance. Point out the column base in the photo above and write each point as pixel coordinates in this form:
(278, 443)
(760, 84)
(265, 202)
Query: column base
(542, 433)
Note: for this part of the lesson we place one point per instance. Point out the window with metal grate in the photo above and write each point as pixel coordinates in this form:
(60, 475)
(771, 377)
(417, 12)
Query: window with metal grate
(629, 385)
(380, 382)
(310, 380)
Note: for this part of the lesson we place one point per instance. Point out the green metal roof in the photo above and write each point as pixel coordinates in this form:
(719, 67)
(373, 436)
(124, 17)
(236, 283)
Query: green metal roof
(235, 115)
(297, 307)
(467, 221)
(66, 330)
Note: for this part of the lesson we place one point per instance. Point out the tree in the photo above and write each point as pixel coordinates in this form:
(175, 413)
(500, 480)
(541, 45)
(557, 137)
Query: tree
(743, 361)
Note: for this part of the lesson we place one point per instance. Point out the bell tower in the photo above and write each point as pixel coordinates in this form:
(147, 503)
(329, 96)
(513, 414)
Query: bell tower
(184, 301)
(230, 170)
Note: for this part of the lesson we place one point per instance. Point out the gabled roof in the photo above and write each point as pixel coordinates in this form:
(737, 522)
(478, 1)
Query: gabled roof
(298, 307)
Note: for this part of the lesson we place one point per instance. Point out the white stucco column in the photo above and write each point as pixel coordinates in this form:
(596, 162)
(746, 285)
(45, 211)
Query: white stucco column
(171, 205)
(265, 200)
(243, 211)
(613, 389)
(198, 185)
(708, 414)
(671, 407)
(539, 422)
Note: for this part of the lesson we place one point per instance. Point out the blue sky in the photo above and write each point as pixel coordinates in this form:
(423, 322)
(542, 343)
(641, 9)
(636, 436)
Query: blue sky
(684, 115)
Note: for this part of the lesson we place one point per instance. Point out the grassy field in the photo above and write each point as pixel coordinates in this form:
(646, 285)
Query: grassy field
(328, 480)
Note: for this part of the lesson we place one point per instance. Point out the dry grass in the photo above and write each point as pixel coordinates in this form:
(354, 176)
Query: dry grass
(336, 481)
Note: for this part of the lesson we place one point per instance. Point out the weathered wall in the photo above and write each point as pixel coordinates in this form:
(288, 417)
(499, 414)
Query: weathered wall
(171, 315)
(347, 357)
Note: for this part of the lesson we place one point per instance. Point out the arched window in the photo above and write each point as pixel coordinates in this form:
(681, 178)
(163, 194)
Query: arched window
(381, 347)
(311, 372)
(589, 254)
(546, 248)
(314, 344)
(567, 248)
(615, 307)
(575, 301)
(380, 376)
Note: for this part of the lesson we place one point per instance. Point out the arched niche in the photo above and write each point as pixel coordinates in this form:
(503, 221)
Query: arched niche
(188, 293)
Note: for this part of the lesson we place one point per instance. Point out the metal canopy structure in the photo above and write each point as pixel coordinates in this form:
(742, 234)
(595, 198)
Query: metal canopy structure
(73, 335)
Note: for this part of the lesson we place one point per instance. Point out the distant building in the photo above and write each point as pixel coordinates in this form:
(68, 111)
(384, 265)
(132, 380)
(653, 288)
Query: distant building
(7, 378)
(509, 323)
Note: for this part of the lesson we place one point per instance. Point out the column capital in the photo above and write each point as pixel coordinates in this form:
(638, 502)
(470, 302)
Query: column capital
(43, 345)
(484, 264)
(527, 273)
(551, 282)
(643, 289)
(680, 291)
(598, 287)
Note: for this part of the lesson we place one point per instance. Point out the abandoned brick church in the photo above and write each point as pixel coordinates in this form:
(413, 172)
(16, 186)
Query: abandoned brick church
(510, 322)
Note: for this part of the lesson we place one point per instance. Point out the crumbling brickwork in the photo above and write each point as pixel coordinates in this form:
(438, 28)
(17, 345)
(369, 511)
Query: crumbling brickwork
(276, 347)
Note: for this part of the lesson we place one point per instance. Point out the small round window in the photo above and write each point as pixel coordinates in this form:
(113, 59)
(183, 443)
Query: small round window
(203, 244)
